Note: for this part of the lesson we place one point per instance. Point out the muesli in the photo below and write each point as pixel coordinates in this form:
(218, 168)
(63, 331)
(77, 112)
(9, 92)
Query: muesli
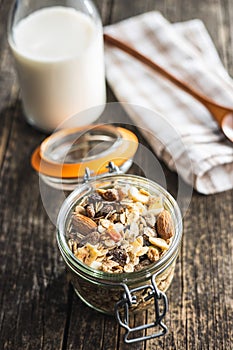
(120, 229)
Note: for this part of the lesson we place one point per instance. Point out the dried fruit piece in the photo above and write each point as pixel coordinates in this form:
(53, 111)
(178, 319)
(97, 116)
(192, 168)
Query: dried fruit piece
(87, 254)
(90, 210)
(115, 235)
(146, 242)
(122, 193)
(94, 197)
(120, 229)
(165, 227)
(155, 205)
(83, 224)
(137, 196)
(159, 242)
(107, 208)
(109, 195)
(119, 255)
(143, 263)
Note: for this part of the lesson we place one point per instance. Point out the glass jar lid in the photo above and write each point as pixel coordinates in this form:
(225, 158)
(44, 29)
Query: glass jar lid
(64, 156)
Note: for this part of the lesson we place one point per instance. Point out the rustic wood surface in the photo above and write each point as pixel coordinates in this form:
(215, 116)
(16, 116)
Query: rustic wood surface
(38, 308)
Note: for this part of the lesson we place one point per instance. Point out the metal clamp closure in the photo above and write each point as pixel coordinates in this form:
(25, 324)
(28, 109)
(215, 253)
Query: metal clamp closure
(136, 296)
(112, 169)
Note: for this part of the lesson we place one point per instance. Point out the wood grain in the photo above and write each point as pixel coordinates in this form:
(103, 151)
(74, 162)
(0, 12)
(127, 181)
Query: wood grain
(38, 308)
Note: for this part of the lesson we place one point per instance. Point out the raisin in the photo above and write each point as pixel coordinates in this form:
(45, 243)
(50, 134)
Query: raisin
(110, 195)
(90, 211)
(94, 197)
(119, 255)
(143, 263)
(107, 208)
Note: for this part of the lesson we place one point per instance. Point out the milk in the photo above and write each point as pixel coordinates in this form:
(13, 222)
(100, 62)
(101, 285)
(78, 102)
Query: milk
(59, 59)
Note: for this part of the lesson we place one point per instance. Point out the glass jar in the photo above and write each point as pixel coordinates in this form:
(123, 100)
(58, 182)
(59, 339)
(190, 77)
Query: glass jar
(58, 50)
(123, 293)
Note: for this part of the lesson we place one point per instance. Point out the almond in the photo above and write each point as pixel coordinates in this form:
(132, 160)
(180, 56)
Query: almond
(83, 224)
(165, 226)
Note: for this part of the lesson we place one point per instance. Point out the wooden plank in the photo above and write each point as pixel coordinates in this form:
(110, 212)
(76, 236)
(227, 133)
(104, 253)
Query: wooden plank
(9, 88)
(33, 298)
(33, 292)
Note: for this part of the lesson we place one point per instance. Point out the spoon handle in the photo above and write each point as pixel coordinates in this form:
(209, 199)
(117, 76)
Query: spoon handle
(218, 111)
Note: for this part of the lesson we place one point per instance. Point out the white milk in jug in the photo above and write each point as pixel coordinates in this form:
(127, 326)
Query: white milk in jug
(60, 63)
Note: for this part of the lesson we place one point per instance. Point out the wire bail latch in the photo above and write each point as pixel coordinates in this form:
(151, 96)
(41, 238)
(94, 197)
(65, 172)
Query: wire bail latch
(112, 169)
(130, 298)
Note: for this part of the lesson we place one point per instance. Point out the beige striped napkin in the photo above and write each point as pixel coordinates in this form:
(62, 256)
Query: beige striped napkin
(187, 51)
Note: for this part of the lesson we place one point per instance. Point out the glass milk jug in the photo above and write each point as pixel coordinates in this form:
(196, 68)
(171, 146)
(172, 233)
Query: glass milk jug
(59, 58)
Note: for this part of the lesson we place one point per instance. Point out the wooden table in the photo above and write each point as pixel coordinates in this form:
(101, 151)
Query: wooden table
(38, 307)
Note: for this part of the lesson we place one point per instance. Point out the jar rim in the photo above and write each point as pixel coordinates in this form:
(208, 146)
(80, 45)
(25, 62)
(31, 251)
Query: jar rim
(111, 278)
(60, 165)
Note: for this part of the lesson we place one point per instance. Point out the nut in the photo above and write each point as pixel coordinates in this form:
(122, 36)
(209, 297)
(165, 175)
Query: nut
(159, 242)
(153, 254)
(83, 224)
(165, 226)
(115, 235)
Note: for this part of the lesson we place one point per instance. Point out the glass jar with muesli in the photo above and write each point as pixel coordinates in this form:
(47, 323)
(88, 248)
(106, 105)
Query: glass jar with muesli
(120, 236)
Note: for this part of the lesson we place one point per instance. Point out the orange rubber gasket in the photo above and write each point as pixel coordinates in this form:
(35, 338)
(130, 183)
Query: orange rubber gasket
(125, 151)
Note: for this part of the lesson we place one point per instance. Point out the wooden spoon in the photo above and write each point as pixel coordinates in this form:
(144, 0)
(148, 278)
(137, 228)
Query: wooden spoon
(223, 115)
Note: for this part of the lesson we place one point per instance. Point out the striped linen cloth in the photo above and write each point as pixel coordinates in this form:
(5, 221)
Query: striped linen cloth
(186, 50)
